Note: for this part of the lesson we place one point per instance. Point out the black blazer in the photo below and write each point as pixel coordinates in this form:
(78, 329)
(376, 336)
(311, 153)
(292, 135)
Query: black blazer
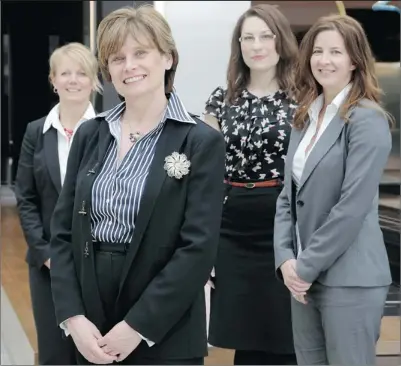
(37, 188)
(173, 249)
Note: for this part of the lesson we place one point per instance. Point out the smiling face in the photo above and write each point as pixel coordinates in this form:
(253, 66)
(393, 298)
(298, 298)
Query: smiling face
(71, 81)
(258, 45)
(330, 62)
(138, 68)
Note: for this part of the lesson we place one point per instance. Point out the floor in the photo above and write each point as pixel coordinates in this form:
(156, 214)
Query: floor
(5, 357)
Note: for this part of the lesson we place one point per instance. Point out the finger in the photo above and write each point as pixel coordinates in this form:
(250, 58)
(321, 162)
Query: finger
(106, 349)
(301, 281)
(294, 277)
(114, 353)
(296, 291)
(299, 286)
(102, 341)
(122, 357)
(101, 356)
(96, 333)
(302, 300)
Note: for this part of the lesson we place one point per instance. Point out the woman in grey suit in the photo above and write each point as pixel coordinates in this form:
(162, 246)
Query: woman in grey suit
(329, 248)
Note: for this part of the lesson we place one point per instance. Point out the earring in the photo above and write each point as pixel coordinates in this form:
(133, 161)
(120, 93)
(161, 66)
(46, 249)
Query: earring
(54, 90)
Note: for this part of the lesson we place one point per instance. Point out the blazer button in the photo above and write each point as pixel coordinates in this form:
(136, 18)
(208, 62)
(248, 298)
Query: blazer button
(300, 203)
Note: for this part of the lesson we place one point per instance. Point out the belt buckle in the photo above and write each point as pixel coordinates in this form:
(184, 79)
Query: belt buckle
(249, 185)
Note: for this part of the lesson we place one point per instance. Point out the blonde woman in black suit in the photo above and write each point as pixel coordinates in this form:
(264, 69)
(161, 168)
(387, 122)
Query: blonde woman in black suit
(40, 176)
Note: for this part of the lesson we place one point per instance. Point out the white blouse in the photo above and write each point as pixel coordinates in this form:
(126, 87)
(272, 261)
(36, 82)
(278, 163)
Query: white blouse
(300, 156)
(63, 142)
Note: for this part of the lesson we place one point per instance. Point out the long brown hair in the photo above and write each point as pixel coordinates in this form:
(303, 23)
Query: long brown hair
(364, 79)
(238, 73)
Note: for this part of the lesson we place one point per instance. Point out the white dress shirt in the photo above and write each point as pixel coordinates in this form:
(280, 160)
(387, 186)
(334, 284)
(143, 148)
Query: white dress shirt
(300, 156)
(63, 142)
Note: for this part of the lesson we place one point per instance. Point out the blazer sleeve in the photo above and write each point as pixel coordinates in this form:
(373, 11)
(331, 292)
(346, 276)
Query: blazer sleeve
(28, 200)
(369, 145)
(283, 240)
(174, 289)
(66, 289)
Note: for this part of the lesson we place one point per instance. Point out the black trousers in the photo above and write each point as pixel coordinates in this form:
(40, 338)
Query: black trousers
(263, 358)
(109, 260)
(53, 349)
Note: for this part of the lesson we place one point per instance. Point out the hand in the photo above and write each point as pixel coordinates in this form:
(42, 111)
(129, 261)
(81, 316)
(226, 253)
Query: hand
(121, 341)
(47, 263)
(85, 336)
(291, 279)
(300, 298)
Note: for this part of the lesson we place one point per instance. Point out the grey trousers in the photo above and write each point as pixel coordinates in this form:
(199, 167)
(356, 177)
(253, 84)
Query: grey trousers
(339, 325)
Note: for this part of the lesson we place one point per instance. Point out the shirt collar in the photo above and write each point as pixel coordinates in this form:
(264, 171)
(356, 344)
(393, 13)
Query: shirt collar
(53, 118)
(317, 104)
(175, 110)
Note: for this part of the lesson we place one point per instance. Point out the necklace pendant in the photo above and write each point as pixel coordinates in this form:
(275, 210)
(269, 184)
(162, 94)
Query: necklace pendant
(134, 137)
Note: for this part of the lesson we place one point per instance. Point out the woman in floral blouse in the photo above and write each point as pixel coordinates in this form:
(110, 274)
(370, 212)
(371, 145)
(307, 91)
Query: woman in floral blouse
(250, 308)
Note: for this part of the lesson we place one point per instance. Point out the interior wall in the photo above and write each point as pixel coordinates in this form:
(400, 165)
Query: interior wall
(202, 31)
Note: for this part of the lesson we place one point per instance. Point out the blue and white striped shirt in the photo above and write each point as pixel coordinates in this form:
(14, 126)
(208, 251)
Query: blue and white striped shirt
(117, 190)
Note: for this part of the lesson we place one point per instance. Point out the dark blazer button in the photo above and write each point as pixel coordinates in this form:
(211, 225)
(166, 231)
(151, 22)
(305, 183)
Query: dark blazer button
(300, 203)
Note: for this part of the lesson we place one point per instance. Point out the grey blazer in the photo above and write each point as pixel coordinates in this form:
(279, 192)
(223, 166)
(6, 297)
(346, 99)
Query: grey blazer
(336, 203)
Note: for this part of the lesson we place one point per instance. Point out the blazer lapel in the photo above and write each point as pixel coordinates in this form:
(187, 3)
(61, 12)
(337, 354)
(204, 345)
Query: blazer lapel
(171, 139)
(105, 138)
(323, 145)
(91, 292)
(51, 157)
(296, 137)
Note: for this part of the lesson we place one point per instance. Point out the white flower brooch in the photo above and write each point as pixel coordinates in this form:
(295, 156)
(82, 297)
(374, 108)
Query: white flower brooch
(177, 165)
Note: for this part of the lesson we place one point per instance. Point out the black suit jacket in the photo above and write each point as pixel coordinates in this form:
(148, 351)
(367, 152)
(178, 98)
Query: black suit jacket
(173, 249)
(37, 188)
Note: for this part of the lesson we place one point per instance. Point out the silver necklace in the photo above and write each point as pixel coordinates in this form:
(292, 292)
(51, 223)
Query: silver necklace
(135, 137)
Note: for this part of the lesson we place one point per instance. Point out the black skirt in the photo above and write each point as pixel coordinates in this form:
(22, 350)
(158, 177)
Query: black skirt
(250, 308)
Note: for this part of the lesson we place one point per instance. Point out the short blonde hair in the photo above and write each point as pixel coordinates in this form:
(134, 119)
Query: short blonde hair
(143, 21)
(83, 56)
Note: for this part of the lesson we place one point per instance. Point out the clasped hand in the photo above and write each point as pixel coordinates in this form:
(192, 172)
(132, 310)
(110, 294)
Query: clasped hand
(297, 286)
(121, 341)
(116, 345)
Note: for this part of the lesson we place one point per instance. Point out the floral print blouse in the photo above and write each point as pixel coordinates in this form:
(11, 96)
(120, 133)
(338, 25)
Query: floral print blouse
(256, 132)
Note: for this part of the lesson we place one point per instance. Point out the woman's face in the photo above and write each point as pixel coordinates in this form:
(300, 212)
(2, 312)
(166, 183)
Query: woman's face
(258, 45)
(71, 81)
(330, 62)
(138, 68)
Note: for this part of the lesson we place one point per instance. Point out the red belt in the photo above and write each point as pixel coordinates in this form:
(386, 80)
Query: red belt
(266, 183)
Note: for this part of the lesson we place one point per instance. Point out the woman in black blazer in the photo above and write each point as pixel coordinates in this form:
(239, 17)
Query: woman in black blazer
(136, 228)
(41, 171)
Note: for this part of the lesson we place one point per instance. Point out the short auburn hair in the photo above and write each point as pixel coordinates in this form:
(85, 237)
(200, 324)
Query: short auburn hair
(144, 21)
